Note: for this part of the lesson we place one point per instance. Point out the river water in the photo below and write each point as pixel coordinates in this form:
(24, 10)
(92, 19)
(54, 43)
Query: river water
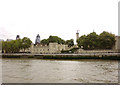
(59, 71)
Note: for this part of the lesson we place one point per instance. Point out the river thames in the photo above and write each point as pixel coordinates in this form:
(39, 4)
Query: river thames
(59, 71)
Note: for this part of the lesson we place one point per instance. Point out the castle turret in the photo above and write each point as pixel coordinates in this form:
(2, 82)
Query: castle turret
(77, 35)
(117, 44)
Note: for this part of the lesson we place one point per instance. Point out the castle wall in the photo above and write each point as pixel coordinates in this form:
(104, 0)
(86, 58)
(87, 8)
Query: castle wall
(51, 48)
(40, 49)
(62, 47)
(26, 50)
(94, 51)
(117, 43)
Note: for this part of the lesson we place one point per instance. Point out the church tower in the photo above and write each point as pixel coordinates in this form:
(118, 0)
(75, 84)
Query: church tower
(37, 41)
(77, 35)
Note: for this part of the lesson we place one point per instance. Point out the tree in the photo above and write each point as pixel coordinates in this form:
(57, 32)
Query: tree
(93, 41)
(4, 46)
(15, 46)
(56, 39)
(82, 42)
(45, 42)
(107, 40)
(11, 46)
(69, 42)
(53, 39)
(26, 43)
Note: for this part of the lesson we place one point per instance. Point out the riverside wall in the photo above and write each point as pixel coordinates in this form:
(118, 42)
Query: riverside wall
(81, 51)
(114, 56)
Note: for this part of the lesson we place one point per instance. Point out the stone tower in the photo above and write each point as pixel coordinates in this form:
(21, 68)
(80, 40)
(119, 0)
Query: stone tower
(117, 44)
(37, 41)
(77, 35)
(32, 48)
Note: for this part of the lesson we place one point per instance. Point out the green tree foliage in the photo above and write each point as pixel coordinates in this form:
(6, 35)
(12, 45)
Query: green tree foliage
(93, 41)
(56, 39)
(44, 42)
(26, 43)
(53, 39)
(82, 42)
(11, 46)
(5, 46)
(107, 40)
(15, 46)
(69, 42)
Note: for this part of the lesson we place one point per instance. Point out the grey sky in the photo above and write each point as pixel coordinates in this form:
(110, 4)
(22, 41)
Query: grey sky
(62, 18)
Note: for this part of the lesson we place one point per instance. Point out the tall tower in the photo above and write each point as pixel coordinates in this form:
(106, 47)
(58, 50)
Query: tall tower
(117, 44)
(77, 35)
(17, 37)
(37, 41)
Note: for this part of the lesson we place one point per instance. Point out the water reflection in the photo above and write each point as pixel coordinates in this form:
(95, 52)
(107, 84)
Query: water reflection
(59, 71)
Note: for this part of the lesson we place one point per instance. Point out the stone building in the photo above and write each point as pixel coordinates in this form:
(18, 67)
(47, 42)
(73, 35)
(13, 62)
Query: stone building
(77, 35)
(46, 49)
(117, 44)
(57, 48)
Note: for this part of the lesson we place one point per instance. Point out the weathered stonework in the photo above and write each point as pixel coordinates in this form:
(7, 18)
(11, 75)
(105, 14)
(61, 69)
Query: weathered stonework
(57, 48)
(51, 48)
(117, 43)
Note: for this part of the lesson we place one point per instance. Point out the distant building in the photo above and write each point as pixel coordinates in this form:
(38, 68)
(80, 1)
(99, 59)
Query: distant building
(17, 37)
(37, 41)
(1, 40)
(9, 39)
(49, 49)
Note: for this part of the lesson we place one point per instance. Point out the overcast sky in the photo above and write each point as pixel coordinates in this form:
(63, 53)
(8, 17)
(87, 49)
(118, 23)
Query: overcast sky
(62, 18)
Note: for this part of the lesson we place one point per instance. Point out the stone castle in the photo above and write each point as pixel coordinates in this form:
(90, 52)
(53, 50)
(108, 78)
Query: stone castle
(46, 49)
(51, 48)
(39, 48)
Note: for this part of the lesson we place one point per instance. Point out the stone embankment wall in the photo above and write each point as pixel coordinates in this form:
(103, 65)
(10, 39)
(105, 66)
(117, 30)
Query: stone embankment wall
(95, 51)
(113, 56)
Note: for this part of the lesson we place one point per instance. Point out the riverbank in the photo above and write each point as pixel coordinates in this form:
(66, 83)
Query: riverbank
(113, 56)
